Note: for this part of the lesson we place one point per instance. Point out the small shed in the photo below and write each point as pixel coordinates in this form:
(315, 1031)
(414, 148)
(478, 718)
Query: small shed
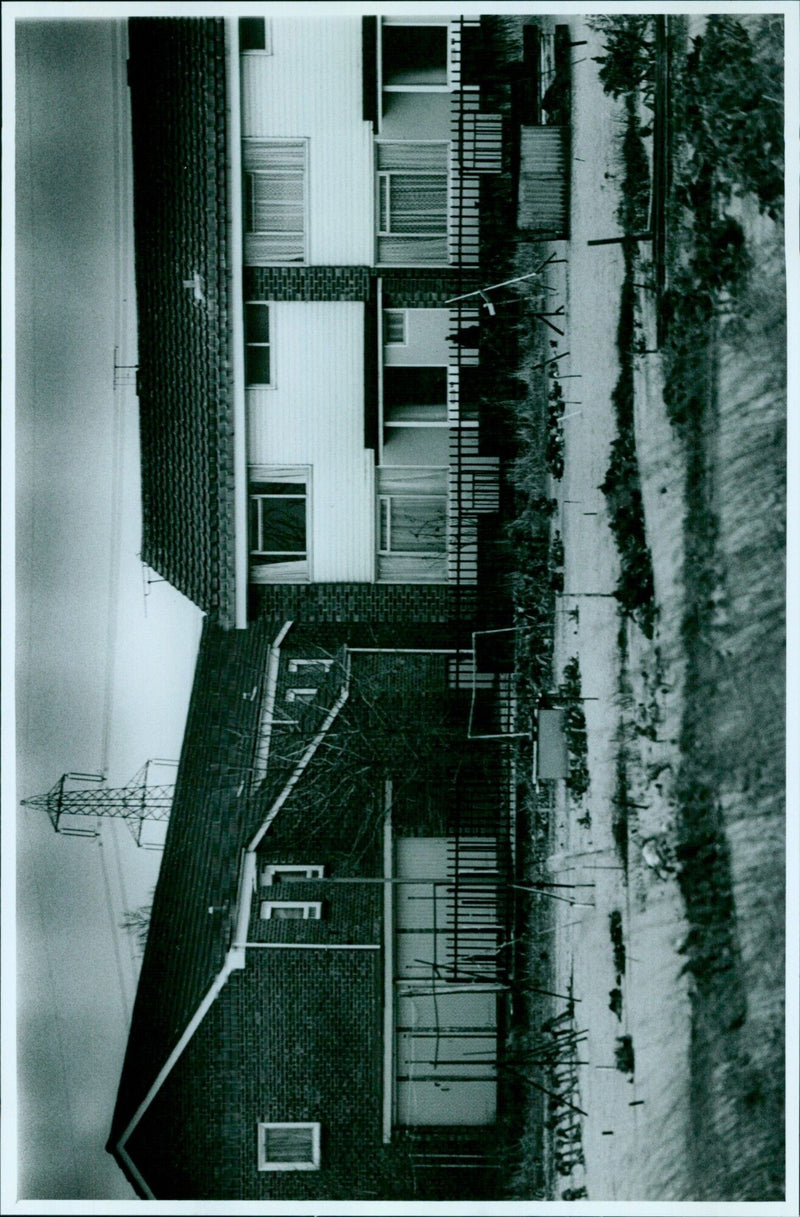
(543, 192)
(552, 756)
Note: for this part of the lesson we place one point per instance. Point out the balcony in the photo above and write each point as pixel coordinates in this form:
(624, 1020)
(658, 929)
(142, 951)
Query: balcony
(433, 483)
(433, 144)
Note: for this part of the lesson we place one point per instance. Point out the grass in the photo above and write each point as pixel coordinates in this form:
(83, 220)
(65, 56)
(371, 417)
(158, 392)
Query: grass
(727, 151)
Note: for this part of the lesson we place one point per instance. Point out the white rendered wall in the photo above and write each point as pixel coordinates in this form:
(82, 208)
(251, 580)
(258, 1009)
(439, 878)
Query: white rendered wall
(310, 88)
(314, 415)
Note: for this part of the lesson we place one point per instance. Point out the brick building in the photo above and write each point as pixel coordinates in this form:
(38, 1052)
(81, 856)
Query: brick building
(322, 993)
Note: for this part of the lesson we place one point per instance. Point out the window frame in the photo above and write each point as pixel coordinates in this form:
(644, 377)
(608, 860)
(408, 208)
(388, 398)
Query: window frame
(387, 551)
(267, 48)
(250, 234)
(384, 177)
(291, 569)
(277, 868)
(301, 695)
(394, 313)
(312, 910)
(270, 344)
(264, 1164)
(297, 663)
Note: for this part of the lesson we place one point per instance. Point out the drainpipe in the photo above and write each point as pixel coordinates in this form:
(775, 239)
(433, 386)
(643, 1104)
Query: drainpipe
(237, 329)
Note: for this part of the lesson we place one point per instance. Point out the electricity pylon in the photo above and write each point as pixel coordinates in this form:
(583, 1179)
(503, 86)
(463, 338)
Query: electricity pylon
(135, 803)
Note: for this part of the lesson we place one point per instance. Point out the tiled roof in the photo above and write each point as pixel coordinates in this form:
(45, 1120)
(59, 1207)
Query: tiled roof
(177, 76)
(191, 925)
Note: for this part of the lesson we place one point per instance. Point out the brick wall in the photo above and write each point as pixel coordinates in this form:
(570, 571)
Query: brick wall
(351, 912)
(426, 287)
(307, 282)
(296, 1036)
(413, 287)
(372, 614)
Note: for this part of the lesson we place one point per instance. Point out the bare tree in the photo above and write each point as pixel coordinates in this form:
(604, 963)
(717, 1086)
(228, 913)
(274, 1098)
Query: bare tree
(137, 922)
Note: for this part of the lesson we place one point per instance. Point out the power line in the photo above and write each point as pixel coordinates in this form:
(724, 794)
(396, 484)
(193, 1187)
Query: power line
(118, 397)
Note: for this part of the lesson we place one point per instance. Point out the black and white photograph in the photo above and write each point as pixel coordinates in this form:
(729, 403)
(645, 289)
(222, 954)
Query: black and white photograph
(395, 420)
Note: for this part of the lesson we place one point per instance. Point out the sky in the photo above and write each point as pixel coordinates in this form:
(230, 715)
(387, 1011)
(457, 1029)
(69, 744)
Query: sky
(103, 670)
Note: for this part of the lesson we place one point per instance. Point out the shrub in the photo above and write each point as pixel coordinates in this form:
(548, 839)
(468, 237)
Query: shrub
(623, 1055)
(617, 942)
(629, 62)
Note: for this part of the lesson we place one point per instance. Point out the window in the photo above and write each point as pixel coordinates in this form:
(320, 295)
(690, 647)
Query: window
(394, 327)
(288, 1147)
(274, 199)
(291, 910)
(412, 202)
(301, 695)
(278, 525)
(300, 665)
(415, 392)
(258, 358)
(414, 55)
(290, 873)
(412, 524)
(255, 34)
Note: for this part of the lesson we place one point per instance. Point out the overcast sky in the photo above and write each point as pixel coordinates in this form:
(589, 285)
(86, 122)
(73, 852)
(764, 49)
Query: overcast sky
(103, 674)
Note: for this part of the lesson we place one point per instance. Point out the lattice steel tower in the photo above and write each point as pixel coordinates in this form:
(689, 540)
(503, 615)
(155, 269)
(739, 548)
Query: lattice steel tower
(137, 803)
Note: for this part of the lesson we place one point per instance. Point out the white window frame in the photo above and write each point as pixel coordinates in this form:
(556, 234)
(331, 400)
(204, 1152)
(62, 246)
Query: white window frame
(292, 570)
(253, 141)
(312, 910)
(387, 551)
(297, 664)
(279, 868)
(270, 345)
(395, 312)
(384, 189)
(302, 695)
(265, 1165)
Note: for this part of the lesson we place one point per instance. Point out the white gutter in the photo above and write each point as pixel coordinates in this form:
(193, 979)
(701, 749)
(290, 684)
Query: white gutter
(248, 871)
(233, 960)
(379, 294)
(388, 970)
(304, 760)
(237, 331)
(314, 946)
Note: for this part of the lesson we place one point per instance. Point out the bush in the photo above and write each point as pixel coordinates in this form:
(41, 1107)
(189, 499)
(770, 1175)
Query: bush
(617, 942)
(623, 1055)
(575, 728)
(735, 109)
(629, 62)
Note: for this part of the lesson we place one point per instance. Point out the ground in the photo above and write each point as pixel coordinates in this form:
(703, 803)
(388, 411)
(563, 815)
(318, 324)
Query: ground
(666, 1124)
